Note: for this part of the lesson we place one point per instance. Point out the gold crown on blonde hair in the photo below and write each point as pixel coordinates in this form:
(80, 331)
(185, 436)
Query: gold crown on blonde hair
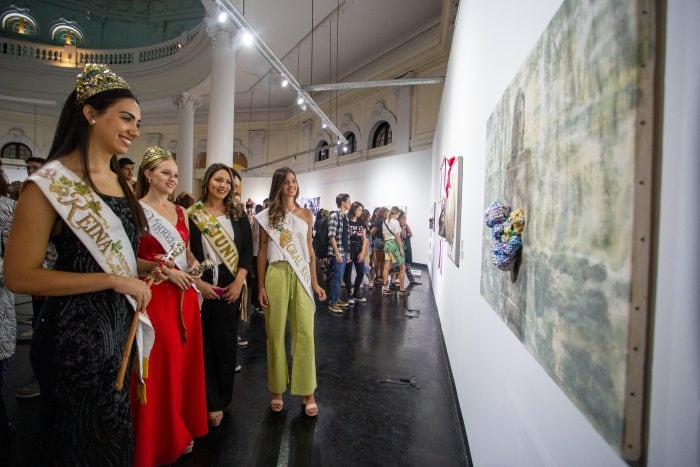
(155, 154)
(95, 79)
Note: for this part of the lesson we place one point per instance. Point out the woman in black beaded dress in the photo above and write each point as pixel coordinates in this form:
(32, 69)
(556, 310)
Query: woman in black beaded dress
(83, 326)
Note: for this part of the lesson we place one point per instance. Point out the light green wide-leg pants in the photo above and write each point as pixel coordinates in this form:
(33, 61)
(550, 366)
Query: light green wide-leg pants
(287, 295)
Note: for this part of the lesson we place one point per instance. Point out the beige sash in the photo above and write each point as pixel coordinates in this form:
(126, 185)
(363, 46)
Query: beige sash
(221, 243)
(283, 237)
(216, 235)
(102, 233)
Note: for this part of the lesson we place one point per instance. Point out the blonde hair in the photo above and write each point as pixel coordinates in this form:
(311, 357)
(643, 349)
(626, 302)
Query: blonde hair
(151, 159)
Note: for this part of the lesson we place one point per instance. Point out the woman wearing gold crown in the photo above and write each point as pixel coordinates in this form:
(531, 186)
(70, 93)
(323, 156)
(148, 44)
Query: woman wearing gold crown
(79, 200)
(173, 409)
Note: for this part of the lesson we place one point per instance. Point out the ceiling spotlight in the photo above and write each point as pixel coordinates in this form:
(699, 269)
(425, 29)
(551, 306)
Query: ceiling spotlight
(285, 82)
(303, 107)
(345, 148)
(222, 17)
(247, 39)
(300, 100)
(324, 125)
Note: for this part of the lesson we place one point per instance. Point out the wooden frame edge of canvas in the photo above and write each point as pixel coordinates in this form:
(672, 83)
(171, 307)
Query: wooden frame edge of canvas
(632, 447)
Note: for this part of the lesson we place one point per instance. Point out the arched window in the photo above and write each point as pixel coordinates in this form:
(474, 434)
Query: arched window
(65, 32)
(352, 143)
(16, 151)
(382, 135)
(19, 21)
(240, 161)
(200, 161)
(323, 152)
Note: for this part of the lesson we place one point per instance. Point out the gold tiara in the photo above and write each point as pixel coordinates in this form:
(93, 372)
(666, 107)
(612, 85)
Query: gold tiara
(155, 154)
(95, 79)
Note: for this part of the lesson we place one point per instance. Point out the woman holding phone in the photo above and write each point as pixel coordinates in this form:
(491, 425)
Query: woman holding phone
(220, 231)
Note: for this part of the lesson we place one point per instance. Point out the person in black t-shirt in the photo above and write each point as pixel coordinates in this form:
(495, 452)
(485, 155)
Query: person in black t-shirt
(358, 250)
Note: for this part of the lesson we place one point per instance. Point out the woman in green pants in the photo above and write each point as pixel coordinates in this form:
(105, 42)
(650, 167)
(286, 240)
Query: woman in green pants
(287, 283)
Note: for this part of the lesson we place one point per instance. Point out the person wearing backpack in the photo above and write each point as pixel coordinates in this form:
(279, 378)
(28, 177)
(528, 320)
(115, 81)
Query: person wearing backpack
(393, 250)
(320, 246)
(338, 250)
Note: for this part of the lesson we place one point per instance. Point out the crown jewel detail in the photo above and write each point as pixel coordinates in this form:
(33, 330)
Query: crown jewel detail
(153, 154)
(95, 79)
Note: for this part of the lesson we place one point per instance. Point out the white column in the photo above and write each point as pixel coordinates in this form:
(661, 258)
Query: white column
(186, 104)
(402, 135)
(221, 96)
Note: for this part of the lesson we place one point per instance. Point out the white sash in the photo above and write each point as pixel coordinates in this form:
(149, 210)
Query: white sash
(283, 237)
(99, 229)
(166, 234)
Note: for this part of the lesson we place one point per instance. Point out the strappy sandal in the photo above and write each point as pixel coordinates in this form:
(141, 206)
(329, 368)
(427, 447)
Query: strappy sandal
(310, 408)
(404, 293)
(276, 405)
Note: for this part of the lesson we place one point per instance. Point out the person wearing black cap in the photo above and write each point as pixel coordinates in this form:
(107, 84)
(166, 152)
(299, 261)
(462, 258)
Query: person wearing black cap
(126, 165)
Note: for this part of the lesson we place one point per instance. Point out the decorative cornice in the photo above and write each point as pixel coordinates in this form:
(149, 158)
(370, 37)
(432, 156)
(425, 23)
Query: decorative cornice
(186, 99)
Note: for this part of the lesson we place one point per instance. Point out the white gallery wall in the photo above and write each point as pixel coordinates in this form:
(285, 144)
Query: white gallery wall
(401, 180)
(514, 413)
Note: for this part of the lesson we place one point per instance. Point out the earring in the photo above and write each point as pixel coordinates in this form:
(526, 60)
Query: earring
(149, 180)
(92, 122)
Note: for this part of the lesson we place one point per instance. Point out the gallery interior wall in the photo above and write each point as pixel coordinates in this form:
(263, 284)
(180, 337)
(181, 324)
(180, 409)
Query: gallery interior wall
(401, 180)
(514, 413)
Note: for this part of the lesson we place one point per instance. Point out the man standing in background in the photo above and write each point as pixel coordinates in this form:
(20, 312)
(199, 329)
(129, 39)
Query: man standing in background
(338, 250)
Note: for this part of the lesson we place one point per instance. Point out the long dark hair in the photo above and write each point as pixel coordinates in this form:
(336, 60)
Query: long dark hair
(4, 184)
(233, 210)
(276, 213)
(354, 206)
(72, 132)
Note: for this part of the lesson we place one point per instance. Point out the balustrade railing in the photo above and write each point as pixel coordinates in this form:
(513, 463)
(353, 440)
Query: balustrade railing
(29, 50)
(66, 56)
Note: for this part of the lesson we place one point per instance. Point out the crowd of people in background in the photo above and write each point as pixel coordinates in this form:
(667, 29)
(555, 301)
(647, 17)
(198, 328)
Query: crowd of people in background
(107, 252)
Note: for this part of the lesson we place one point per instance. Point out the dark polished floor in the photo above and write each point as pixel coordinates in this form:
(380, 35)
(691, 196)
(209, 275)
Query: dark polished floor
(384, 395)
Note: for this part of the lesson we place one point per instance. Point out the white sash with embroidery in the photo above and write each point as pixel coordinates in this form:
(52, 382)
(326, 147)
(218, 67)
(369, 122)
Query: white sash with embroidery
(166, 234)
(283, 237)
(100, 230)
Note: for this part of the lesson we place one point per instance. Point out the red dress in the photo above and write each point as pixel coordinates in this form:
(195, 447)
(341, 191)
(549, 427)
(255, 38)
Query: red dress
(175, 411)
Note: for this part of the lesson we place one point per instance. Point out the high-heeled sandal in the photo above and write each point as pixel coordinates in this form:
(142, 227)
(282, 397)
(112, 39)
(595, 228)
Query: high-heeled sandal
(276, 405)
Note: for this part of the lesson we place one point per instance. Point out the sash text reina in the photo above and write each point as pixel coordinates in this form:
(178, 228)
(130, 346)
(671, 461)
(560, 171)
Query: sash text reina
(90, 224)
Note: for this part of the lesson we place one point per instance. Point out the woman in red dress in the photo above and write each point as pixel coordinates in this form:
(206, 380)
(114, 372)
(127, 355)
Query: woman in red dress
(174, 411)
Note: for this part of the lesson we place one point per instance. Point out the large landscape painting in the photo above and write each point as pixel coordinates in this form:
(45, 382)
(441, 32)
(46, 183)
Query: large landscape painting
(571, 143)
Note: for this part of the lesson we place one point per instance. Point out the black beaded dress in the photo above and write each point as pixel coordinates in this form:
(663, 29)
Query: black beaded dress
(76, 353)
